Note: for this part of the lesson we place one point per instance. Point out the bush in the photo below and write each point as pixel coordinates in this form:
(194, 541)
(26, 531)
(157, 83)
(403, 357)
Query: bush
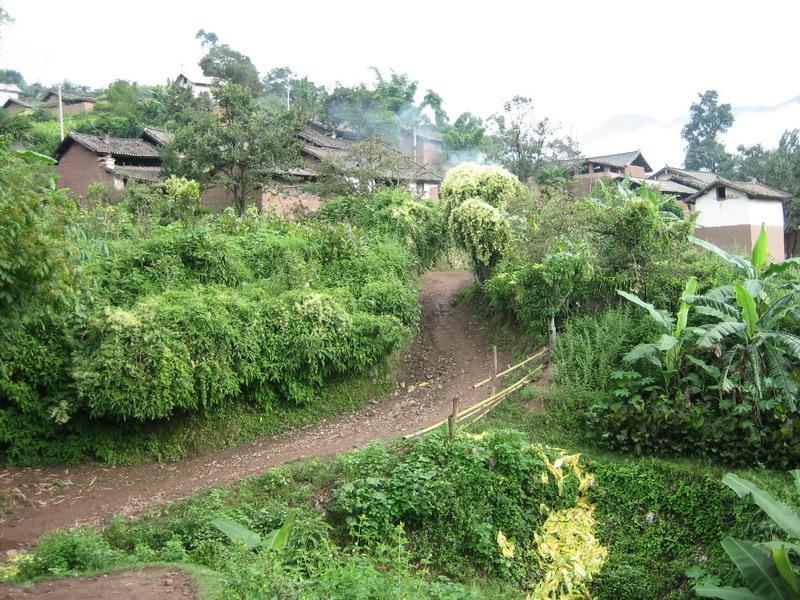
(35, 256)
(668, 426)
(392, 213)
(199, 349)
(70, 552)
(391, 298)
(660, 519)
(494, 185)
(591, 347)
(453, 498)
(482, 231)
(190, 318)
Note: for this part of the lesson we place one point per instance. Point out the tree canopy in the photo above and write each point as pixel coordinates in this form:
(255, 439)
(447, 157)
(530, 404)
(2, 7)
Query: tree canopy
(708, 119)
(240, 147)
(522, 143)
(223, 62)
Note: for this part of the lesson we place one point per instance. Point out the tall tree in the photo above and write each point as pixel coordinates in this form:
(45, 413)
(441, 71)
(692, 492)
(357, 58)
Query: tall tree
(240, 147)
(779, 168)
(464, 137)
(223, 62)
(383, 109)
(523, 143)
(12, 76)
(304, 95)
(435, 102)
(363, 110)
(708, 119)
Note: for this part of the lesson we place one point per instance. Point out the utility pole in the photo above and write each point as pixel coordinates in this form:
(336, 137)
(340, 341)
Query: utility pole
(60, 113)
(288, 91)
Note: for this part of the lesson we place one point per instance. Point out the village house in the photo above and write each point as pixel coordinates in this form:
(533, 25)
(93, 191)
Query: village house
(424, 146)
(15, 104)
(321, 142)
(730, 213)
(8, 91)
(631, 165)
(198, 84)
(85, 159)
(71, 103)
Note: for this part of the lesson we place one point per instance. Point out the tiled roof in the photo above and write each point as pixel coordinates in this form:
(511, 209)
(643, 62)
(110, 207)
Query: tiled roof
(18, 102)
(108, 145)
(692, 179)
(137, 173)
(196, 78)
(324, 141)
(666, 186)
(320, 146)
(66, 98)
(755, 189)
(157, 136)
(702, 181)
(622, 159)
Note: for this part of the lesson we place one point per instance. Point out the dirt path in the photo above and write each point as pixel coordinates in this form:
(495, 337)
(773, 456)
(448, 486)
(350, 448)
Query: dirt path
(447, 357)
(152, 583)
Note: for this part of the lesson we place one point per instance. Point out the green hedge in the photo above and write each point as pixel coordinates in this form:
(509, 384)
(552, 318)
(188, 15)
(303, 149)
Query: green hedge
(189, 319)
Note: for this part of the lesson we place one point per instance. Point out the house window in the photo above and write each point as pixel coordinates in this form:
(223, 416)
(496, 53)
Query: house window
(720, 192)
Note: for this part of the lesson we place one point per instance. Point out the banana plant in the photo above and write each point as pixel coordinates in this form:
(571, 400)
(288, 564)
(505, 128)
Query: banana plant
(765, 567)
(666, 353)
(238, 534)
(752, 340)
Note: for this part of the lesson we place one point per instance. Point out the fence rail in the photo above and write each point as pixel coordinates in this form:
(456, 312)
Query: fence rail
(482, 408)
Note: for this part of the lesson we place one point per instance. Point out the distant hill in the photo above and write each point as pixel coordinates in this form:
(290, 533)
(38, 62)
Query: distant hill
(661, 140)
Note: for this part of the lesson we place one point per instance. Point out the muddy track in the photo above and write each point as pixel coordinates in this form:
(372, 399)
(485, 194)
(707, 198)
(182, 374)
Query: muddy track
(447, 357)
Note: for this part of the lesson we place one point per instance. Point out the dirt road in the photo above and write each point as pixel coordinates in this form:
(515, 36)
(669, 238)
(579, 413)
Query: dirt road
(448, 356)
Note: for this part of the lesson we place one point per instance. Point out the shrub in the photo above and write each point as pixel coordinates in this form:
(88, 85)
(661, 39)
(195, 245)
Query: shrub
(392, 213)
(482, 231)
(391, 298)
(199, 349)
(190, 318)
(70, 552)
(591, 347)
(494, 185)
(667, 425)
(36, 266)
(453, 499)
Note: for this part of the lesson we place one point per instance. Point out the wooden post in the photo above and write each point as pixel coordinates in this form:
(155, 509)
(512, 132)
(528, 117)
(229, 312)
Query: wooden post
(451, 420)
(494, 370)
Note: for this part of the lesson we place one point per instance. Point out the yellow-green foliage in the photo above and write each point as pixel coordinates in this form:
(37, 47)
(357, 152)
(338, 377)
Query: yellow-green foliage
(481, 230)
(570, 554)
(493, 185)
(567, 549)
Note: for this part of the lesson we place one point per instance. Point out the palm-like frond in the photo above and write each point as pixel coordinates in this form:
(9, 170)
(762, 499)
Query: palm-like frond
(779, 374)
(713, 334)
(648, 352)
(708, 305)
(659, 316)
(740, 263)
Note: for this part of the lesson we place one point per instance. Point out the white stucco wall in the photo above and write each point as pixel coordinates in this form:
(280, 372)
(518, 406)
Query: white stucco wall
(737, 209)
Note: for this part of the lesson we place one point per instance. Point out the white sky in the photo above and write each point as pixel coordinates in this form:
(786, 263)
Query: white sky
(582, 62)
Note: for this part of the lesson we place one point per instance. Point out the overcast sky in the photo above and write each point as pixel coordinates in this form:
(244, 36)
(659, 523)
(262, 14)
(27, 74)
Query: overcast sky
(582, 62)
